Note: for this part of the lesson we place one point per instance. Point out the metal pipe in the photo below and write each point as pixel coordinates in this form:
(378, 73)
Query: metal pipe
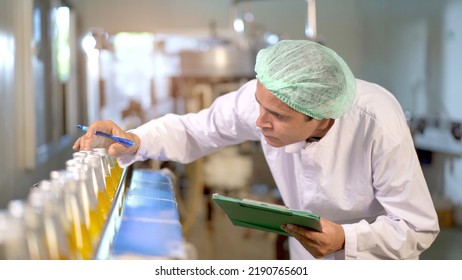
(310, 27)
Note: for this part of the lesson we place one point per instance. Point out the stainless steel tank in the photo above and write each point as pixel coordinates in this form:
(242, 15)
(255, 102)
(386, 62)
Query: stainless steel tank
(218, 61)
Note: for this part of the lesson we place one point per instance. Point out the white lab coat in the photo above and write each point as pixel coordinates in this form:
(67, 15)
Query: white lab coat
(363, 174)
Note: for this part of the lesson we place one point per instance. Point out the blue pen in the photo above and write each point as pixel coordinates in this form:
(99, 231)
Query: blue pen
(122, 141)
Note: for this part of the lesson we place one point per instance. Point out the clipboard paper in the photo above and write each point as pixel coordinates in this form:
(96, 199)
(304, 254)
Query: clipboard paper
(264, 216)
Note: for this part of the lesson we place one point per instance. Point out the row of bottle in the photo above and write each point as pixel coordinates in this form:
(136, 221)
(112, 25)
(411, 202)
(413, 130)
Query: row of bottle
(63, 217)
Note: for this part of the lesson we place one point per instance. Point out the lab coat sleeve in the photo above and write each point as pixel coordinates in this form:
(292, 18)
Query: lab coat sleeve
(410, 224)
(229, 120)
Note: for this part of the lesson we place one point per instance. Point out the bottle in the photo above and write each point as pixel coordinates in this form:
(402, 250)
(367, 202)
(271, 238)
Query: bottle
(115, 172)
(77, 156)
(96, 177)
(56, 189)
(111, 185)
(80, 239)
(33, 229)
(13, 245)
(56, 240)
(53, 192)
(86, 193)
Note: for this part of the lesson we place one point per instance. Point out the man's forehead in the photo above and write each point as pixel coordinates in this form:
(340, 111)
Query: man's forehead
(263, 95)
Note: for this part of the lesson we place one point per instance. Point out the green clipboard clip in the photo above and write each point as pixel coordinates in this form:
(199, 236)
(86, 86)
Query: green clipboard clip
(264, 216)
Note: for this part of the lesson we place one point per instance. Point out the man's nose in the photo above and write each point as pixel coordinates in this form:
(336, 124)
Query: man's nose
(262, 120)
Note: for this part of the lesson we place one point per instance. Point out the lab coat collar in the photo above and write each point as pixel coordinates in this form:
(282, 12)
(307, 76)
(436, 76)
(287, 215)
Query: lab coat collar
(295, 148)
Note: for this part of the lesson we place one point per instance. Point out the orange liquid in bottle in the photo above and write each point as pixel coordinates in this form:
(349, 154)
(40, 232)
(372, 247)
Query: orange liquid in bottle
(104, 203)
(110, 187)
(96, 225)
(118, 169)
(80, 241)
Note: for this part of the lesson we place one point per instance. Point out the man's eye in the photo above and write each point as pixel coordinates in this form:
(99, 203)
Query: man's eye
(279, 117)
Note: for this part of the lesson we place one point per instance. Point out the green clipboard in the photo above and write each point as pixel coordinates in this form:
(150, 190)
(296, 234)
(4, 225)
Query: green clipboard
(264, 216)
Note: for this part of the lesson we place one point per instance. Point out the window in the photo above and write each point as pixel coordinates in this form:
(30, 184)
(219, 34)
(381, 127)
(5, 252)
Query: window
(54, 81)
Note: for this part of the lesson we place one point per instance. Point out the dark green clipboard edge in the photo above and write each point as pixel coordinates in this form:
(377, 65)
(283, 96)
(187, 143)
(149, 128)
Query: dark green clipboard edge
(262, 216)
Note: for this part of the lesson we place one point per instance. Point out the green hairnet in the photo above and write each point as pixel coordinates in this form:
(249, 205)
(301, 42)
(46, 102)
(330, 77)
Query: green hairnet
(308, 77)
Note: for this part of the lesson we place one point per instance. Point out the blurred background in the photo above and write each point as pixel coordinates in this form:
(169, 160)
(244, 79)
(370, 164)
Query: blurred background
(65, 62)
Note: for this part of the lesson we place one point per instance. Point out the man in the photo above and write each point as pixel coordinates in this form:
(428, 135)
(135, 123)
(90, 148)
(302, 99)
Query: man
(336, 146)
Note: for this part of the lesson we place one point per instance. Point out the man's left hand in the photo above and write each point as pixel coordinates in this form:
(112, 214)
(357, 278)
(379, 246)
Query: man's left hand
(319, 244)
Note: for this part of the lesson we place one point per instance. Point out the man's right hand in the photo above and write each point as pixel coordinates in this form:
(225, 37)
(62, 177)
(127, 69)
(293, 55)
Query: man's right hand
(90, 140)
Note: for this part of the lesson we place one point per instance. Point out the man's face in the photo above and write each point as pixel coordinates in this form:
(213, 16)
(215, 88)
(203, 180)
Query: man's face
(281, 125)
